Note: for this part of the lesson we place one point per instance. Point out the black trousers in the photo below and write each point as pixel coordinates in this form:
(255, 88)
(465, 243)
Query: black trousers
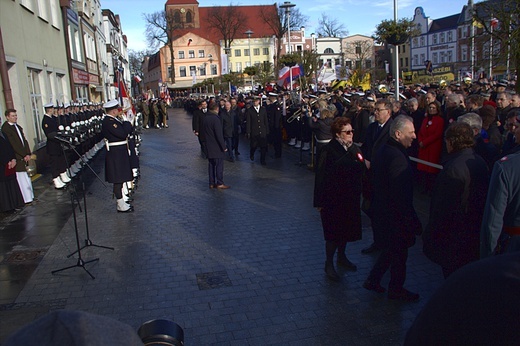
(394, 258)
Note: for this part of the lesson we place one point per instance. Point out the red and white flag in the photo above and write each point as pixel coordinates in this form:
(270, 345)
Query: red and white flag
(494, 23)
(189, 41)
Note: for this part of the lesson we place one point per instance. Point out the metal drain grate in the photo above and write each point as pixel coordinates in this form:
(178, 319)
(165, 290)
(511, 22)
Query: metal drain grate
(211, 280)
(24, 256)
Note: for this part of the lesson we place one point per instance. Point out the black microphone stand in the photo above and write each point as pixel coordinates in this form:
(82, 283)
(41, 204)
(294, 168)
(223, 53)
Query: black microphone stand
(88, 241)
(80, 263)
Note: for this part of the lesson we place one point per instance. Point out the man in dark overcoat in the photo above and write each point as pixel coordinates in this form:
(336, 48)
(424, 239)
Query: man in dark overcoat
(197, 123)
(377, 134)
(116, 129)
(392, 206)
(274, 116)
(257, 129)
(215, 146)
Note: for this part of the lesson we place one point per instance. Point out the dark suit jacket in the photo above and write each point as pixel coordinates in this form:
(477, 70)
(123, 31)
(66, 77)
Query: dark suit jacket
(214, 136)
(392, 204)
(198, 122)
(373, 141)
(20, 149)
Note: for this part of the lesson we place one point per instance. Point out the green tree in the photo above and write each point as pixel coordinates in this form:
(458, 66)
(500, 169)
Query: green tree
(505, 34)
(395, 33)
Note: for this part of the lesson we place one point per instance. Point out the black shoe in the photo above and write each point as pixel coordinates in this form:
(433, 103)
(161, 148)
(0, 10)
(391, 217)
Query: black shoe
(372, 248)
(403, 295)
(372, 286)
(236, 152)
(331, 272)
(345, 263)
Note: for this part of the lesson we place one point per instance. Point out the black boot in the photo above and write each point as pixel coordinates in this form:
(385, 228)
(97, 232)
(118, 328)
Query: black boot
(331, 272)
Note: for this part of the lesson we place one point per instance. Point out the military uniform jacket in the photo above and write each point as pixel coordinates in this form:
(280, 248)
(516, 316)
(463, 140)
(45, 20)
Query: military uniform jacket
(257, 123)
(50, 128)
(20, 148)
(502, 205)
(117, 159)
(274, 116)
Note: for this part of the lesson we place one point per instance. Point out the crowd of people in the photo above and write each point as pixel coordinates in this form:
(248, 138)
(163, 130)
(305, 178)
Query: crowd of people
(456, 142)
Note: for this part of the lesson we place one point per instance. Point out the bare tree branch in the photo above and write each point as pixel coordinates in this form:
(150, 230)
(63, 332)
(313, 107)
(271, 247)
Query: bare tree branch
(330, 27)
(227, 21)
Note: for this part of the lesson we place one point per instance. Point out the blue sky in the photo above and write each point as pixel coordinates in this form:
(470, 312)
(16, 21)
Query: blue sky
(358, 16)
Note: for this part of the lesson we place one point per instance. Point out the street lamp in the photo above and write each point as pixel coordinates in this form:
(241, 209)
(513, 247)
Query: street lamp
(249, 33)
(287, 6)
(210, 59)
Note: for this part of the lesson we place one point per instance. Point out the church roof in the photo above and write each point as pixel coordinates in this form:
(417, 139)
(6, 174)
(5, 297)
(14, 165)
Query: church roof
(254, 22)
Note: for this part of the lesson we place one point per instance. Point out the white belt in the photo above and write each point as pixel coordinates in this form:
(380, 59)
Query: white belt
(322, 140)
(113, 144)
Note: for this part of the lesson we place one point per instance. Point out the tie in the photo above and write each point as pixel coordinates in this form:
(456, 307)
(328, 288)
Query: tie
(379, 129)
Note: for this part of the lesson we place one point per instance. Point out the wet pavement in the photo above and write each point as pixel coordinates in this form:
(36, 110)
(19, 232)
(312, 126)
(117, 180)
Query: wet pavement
(242, 266)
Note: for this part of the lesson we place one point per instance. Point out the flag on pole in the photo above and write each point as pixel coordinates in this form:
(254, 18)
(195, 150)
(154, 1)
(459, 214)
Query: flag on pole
(189, 41)
(284, 75)
(494, 23)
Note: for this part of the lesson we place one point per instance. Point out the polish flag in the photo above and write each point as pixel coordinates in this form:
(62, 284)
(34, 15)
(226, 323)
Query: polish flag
(137, 79)
(494, 23)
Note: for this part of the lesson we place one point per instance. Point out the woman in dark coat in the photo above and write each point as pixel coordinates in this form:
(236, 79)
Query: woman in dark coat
(452, 236)
(10, 195)
(337, 194)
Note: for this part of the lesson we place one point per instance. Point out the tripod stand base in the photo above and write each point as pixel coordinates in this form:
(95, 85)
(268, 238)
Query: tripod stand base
(88, 243)
(80, 264)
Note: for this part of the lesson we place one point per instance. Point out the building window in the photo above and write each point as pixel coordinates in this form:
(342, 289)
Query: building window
(449, 55)
(213, 70)
(358, 50)
(423, 59)
(434, 38)
(177, 17)
(423, 41)
(202, 69)
(401, 62)
(368, 63)
(246, 52)
(169, 72)
(248, 64)
(42, 10)
(464, 53)
(182, 71)
(348, 63)
(201, 53)
(193, 71)
(358, 64)
(435, 58)
(35, 94)
(328, 51)
(266, 51)
(239, 67)
(404, 48)
(189, 17)
(443, 57)
(27, 4)
(299, 48)
(415, 60)
(238, 52)
(443, 37)
(256, 51)
(191, 54)
(415, 42)
(181, 54)
(405, 61)
(450, 36)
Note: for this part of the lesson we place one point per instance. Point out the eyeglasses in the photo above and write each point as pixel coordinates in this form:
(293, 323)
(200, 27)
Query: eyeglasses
(380, 109)
(348, 132)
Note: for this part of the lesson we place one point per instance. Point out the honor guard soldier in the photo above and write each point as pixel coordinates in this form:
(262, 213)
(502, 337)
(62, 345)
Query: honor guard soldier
(257, 130)
(274, 116)
(117, 160)
(57, 159)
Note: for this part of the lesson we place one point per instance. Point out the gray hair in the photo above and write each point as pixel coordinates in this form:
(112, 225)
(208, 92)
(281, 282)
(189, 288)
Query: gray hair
(472, 119)
(454, 98)
(399, 124)
(412, 100)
